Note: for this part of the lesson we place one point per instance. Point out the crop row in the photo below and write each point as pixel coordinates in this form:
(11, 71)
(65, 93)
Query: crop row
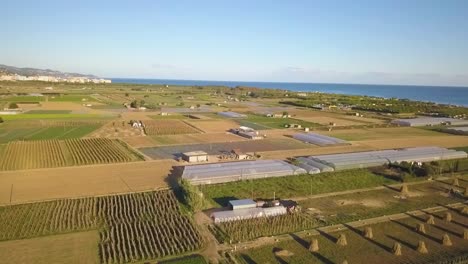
(32, 154)
(245, 230)
(167, 127)
(133, 227)
(55, 153)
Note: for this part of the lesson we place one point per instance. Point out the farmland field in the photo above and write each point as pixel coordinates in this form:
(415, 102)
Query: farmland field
(42, 133)
(293, 186)
(169, 152)
(19, 155)
(380, 133)
(262, 122)
(51, 116)
(72, 248)
(167, 127)
(132, 227)
(295, 249)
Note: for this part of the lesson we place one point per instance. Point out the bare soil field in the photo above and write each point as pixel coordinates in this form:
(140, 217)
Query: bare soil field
(196, 138)
(441, 141)
(360, 134)
(69, 182)
(283, 154)
(66, 248)
(140, 141)
(137, 115)
(325, 118)
(214, 126)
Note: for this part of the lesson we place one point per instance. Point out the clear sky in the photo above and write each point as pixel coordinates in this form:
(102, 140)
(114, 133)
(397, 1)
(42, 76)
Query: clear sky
(394, 41)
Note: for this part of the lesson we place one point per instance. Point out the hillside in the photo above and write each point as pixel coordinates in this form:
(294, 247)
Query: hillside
(11, 70)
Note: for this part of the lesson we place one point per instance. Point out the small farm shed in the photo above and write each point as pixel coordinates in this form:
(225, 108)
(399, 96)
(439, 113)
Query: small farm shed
(239, 154)
(195, 156)
(242, 204)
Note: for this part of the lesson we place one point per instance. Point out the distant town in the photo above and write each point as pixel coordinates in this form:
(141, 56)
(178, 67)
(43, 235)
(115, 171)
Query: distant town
(45, 78)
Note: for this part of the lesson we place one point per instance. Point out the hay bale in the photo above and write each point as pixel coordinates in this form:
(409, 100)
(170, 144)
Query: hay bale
(421, 228)
(446, 241)
(314, 246)
(422, 247)
(448, 217)
(404, 189)
(344, 262)
(455, 182)
(342, 240)
(396, 249)
(368, 232)
(465, 233)
(430, 220)
(464, 210)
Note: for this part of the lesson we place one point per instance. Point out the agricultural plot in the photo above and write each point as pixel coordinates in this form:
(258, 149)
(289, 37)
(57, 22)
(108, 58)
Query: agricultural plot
(378, 249)
(214, 125)
(293, 186)
(170, 152)
(167, 127)
(49, 112)
(262, 122)
(380, 133)
(133, 227)
(54, 153)
(72, 248)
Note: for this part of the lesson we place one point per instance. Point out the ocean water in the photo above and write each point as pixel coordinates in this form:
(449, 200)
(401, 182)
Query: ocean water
(438, 94)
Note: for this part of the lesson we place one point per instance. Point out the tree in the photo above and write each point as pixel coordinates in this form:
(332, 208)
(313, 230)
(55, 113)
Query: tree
(192, 196)
(13, 106)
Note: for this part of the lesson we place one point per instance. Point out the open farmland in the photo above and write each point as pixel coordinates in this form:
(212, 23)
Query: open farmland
(380, 133)
(78, 181)
(167, 127)
(132, 227)
(260, 122)
(359, 249)
(170, 152)
(214, 126)
(19, 155)
(292, 186)
(72, 248)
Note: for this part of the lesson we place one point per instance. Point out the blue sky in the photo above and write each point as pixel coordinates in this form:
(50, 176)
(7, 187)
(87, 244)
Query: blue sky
(390, 42)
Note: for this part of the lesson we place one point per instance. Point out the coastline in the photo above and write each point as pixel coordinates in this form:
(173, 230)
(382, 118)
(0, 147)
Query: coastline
(453, 95)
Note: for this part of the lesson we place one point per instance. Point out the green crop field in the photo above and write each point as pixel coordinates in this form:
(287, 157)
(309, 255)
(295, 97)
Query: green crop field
(173, 116)
(51, 116)
(42, 133)
(132, 227)
(49, 112)
(292, 186)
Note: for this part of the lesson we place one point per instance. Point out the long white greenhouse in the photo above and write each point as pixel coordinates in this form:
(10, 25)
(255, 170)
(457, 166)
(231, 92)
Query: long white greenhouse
(231, 114)
(376, 158)
(235, 171)
(317, 139)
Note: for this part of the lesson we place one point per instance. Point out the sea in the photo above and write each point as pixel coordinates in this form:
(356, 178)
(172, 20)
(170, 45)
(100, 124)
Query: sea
(438, 94)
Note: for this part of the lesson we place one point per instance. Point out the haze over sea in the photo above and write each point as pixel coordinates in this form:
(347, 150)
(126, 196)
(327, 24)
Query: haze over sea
(438, 94)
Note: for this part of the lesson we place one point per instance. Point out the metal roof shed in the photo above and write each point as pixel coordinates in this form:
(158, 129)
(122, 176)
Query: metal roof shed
(242, 204)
